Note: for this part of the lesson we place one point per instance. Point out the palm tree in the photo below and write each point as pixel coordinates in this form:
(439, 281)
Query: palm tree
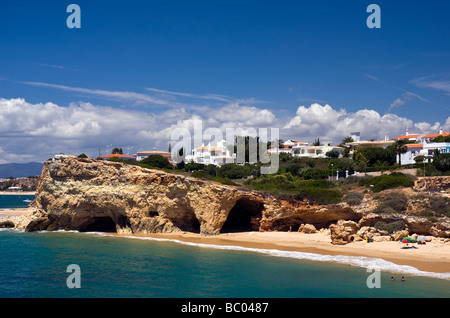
(399, 148)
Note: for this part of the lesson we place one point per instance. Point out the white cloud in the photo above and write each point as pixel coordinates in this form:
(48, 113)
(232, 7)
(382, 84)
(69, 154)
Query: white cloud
(136, 98)
(332, 125)
(35, 132)
(439, 82)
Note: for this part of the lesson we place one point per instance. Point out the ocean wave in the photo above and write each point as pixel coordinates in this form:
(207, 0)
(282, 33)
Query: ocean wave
(358, 261)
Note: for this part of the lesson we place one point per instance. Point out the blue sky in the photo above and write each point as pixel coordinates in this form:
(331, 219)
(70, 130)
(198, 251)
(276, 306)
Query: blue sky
(223, 61)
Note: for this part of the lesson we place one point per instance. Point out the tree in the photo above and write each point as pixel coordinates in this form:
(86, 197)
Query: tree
(441, 139)
(82, 156)
(117, 151)
(400, 148)
(374, 156)
(157, 161)
(441, 161)
(346, 140)
(332, 154)
(316, 142)
(315, 173)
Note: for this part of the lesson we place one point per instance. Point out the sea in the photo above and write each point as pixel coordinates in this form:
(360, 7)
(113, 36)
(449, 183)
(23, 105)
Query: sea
(48, 264)
(15, 201)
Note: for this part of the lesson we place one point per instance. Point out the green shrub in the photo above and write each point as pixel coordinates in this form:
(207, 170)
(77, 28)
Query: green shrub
(389, 227)
(315, 173)
(320, 195)
(157, 161)
(440, 205)
(383, 182)
(354, 198)
(226, 181)
(201, 175)
(426, 213)
(395, 202)
(288, 186)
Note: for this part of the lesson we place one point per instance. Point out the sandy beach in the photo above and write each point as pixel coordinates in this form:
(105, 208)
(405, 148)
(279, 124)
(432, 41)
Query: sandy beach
(18, 193)
(16, 212)
(434, 256)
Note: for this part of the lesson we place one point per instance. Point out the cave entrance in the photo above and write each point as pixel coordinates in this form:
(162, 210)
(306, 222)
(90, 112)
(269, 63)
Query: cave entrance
(99, 224)
(244, 216)
(189, 222)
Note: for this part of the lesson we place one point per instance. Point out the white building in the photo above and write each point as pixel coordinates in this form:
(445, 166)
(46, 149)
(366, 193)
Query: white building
(286, 147)
(314, 151)
(210, 155)
(424, 146)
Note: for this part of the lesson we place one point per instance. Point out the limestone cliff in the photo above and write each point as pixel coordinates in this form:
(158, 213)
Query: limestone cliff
(95, 195)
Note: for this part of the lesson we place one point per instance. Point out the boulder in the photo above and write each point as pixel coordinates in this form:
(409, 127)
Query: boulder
(398, 235)
(6, 224)
(343, 232)
(307, 229)
(382, 238)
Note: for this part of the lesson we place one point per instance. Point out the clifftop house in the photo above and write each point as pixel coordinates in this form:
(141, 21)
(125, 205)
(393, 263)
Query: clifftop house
(210, 155)
(423, 145)
(144, 154)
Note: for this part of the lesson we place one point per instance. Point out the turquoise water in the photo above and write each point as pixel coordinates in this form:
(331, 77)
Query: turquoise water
(34, 265)
(14, 201)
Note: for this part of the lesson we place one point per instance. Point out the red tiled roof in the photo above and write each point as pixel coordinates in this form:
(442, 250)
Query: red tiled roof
(414, 145)
(436, 135)
(406, 136)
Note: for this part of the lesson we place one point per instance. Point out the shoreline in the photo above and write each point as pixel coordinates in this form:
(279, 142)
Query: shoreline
(18, 193)
(433, 257)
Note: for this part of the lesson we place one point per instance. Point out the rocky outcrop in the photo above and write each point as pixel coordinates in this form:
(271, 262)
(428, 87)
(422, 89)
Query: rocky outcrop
(433, 183)
(307, 229)
(95, 195)
(282, 216)
(412, 223)
(6, 224)
(343, 232)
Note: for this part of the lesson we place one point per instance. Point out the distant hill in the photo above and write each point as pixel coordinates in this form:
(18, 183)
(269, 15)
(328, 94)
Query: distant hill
(18, 170)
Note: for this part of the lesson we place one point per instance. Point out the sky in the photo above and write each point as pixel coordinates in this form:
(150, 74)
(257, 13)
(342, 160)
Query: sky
(136, 70)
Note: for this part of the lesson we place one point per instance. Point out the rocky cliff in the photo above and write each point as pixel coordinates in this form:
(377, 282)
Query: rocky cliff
(95, 195)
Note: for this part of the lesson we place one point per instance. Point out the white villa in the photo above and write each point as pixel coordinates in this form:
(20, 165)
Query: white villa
(210, 155)
(368, 144)
(423, 146)
(314, 151)
(303, 149)
(287, 146)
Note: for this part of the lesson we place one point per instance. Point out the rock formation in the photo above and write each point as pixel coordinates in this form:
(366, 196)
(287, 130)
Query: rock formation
(95, 195)
(433, 184)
